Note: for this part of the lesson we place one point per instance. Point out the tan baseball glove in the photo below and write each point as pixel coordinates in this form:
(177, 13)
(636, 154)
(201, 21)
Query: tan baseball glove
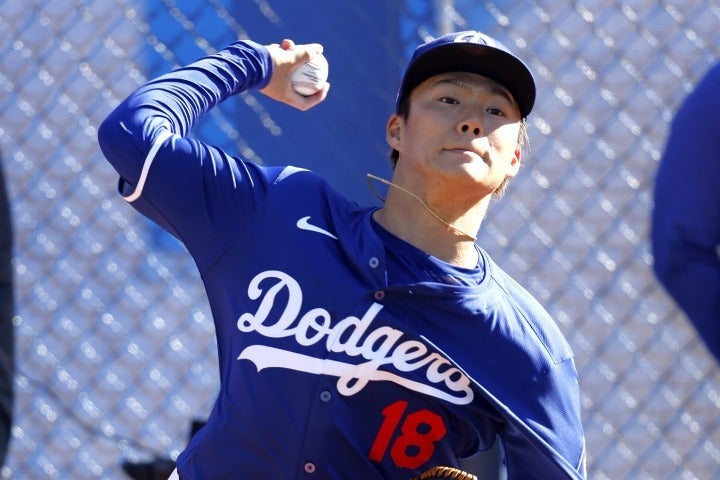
(442, 473)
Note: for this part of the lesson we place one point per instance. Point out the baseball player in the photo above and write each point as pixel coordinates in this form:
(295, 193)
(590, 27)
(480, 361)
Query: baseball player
(358, 342)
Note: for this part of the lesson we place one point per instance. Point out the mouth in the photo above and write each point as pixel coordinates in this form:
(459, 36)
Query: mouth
(466, 152)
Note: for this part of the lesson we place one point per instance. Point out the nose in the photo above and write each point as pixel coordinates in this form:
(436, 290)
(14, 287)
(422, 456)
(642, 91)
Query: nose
(470, 120)
(466, 127)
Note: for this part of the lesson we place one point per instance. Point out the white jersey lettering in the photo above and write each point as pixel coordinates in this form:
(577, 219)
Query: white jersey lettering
(351, 335)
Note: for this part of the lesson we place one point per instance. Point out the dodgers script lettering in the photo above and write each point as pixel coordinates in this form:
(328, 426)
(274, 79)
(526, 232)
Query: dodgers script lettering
(356, 337)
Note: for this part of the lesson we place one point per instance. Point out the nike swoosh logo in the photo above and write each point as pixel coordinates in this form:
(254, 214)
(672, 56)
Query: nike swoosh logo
(304, 224)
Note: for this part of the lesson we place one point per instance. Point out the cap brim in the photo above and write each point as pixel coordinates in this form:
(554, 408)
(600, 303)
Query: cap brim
(485, 60)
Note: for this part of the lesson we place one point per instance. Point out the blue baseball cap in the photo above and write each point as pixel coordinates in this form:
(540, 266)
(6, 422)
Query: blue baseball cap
(473, 52)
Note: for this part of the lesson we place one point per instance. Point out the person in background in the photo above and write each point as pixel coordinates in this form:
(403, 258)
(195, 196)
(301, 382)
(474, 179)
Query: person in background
(7, 331)
(686, 214)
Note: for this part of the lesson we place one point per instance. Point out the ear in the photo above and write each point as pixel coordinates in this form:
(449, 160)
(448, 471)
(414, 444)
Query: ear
(515, 162)
(393, 131)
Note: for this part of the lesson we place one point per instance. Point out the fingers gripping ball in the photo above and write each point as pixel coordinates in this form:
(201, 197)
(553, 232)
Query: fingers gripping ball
(310, 77)
(440, 473)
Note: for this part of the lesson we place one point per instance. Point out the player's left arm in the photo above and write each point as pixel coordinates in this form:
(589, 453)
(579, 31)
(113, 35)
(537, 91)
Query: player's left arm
(553, 443)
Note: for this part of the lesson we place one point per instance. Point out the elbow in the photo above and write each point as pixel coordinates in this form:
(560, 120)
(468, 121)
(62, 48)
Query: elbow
(115, 143)
(106, 132)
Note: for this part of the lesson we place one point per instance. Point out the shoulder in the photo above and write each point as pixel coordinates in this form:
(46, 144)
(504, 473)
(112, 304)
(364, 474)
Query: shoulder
(526, 317)
(302, 183)
(294, 190)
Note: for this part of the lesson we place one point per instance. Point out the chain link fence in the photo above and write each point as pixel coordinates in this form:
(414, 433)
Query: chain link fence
(114, 341)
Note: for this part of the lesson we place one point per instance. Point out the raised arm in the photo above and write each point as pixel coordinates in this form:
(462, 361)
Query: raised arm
(176, 180)
(174, 102)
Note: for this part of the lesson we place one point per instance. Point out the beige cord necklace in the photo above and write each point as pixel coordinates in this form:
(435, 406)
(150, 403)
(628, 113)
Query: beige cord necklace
(370, 177)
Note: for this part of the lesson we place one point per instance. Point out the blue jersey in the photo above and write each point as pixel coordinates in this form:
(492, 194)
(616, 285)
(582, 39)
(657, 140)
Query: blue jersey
(686, 215)
(344, 352)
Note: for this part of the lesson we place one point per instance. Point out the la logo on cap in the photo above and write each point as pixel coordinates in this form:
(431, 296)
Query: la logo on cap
(472, 37)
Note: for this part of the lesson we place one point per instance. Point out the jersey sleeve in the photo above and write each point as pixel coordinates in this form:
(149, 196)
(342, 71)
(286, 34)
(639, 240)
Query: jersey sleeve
(547, 440)
(538, 391)
(686, 216)
(193, 190)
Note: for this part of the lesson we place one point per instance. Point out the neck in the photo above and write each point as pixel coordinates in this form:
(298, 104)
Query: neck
(445, 234)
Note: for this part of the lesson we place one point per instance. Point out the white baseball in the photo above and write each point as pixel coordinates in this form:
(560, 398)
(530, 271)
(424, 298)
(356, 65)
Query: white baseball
(311, 77)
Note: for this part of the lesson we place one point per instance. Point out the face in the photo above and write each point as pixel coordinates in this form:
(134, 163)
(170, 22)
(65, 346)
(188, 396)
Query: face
(461, 133)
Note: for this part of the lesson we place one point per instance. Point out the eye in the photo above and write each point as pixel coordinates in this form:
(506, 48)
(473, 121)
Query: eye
(495, 111)
(448, 100)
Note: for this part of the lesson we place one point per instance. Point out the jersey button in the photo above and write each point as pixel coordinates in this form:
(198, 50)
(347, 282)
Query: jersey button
(379, 295)
(325, 396)
(374, 262)
(310, 467)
